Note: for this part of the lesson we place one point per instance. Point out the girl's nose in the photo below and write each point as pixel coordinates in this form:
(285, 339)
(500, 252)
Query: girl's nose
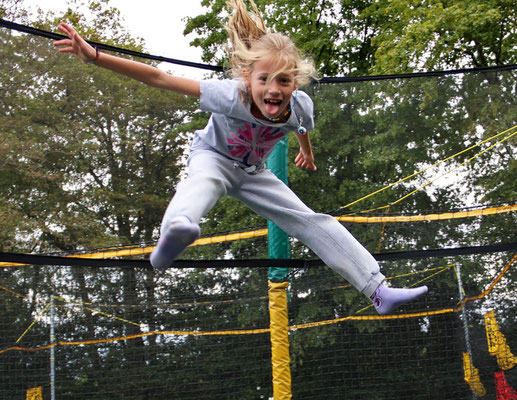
(273, 88)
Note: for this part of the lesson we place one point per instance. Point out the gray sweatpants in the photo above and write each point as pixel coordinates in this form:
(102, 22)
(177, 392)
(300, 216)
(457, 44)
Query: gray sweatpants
(212, 175)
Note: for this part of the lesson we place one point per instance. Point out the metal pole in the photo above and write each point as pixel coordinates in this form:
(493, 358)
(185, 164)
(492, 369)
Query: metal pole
(463, 317)
(52, 353)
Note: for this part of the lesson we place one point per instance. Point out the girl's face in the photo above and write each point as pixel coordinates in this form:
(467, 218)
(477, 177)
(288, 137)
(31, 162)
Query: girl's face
(269, 100)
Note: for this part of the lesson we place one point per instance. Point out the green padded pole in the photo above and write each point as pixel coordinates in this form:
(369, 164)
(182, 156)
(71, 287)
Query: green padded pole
(278, 240)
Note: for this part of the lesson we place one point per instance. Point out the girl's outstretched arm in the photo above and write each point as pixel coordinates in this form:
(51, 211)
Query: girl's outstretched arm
(141, 72)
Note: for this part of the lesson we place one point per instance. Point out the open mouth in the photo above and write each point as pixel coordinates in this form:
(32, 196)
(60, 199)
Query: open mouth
(273, 107)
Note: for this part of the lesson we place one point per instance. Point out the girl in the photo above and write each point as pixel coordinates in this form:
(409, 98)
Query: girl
(250, 114)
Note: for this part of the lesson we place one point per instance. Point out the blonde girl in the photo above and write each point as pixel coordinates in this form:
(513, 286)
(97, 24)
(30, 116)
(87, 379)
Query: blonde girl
(251, 113)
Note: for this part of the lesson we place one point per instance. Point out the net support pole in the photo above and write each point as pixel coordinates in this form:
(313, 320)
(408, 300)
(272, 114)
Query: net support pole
(464, 319)
(278, 246)
(52, 352)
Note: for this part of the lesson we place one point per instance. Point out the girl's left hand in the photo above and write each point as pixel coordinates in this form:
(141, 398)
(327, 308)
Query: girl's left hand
(305, 161)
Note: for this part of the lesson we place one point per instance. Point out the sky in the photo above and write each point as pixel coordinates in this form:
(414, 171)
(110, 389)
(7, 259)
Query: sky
(160, 23)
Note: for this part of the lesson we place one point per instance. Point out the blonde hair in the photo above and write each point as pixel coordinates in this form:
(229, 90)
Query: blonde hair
(251, 42)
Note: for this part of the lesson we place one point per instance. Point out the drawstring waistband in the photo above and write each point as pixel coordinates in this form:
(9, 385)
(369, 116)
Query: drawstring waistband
(250, 169)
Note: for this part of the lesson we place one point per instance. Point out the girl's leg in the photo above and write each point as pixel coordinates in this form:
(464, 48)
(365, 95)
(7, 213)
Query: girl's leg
(271, 198)
(208, 180)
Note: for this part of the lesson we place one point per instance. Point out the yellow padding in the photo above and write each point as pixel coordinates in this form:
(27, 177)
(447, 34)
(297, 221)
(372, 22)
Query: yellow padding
(279, 326)
(34, 394)
(428, 217)
(497, 345)
(472, 376)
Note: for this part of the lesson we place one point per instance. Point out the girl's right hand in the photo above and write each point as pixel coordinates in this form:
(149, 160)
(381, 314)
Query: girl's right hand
(142, 72)
(75, 44)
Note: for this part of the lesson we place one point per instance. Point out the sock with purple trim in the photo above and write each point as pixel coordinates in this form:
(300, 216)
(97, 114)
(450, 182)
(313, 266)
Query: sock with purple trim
(386, 299)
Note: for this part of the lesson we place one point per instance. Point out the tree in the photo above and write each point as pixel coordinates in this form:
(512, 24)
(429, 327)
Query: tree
(382, 37)
(102, 154)
(437, 35)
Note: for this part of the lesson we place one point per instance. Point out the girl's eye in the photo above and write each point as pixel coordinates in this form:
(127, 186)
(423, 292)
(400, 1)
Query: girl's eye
(285, 80)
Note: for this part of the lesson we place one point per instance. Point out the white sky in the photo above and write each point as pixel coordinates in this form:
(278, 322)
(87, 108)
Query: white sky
(159, 22)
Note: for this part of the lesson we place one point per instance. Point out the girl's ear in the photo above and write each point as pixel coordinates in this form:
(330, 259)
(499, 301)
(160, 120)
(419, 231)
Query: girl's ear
(246, 78)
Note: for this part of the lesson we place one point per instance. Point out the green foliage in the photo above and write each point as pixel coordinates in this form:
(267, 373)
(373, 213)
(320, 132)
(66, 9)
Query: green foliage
(357, 37)
(435, 35)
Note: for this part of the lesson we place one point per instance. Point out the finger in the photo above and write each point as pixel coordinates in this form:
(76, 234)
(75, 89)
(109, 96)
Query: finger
(61, 26)
(309, 166)
(66, 29)
(63, 42)
(66, 50)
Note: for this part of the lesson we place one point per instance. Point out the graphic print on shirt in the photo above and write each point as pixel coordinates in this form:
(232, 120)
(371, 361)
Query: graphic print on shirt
(251, 143)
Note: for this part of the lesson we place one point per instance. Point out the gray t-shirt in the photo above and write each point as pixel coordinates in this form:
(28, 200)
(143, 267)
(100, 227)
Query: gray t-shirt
(233, 130)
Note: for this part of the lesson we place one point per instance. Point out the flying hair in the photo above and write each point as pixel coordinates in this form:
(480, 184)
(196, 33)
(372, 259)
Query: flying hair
(251, 41)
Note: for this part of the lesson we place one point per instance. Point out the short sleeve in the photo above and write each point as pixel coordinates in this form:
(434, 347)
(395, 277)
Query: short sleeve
(218, 96)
